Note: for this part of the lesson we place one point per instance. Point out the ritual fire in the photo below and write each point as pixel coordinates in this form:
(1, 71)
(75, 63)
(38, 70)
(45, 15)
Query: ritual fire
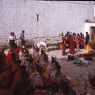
(88, 52)
(87, 49)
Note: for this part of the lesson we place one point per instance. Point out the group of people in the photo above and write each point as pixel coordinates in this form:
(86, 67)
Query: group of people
(73, 41)
(12, 39)
(28, 72)
(69, 40)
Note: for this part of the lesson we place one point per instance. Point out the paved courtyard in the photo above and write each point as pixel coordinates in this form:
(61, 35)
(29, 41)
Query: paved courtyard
(79, 73)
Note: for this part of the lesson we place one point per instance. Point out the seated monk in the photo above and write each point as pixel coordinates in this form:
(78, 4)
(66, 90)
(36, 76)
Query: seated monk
(26, 59)
(36, 79)
(12, 56)
(72, 44)
(16, 51)
(8, 77)
(9, 57)
(35, 53)
(2, 52)
(2, 62)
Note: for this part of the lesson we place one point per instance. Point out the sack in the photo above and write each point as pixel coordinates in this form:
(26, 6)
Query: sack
(78, 62)
(71, 57)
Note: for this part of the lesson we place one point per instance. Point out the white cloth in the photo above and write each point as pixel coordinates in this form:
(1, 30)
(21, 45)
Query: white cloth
(31, 51)
(83, 60)
(11, 38)
(39, 44)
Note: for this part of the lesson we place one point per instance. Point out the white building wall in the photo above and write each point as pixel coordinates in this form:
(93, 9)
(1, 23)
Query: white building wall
(54, 17)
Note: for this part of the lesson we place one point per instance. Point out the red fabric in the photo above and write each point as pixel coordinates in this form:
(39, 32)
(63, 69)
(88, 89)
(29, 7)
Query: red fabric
(2, 51)
(63, 44)
(6, 74)
(8, 58)
(2, 62)
(78, 40)
(5, 92)
(46, 75)
(16, 51)
(72, 44)
(82, 39)
(17, 75)
(14, 67)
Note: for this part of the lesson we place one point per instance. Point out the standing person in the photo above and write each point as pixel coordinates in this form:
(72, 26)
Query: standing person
(87, 37)
(22, 38)
(82, 40)
(63, 44)
(75, 39)
(12, 39)
(78, 41)
(72, 44)
(68, 39)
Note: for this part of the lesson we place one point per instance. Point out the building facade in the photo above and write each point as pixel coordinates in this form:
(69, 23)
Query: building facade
(43, 18)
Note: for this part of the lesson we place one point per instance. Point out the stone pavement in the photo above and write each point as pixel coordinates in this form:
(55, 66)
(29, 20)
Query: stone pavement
(75, 72)
(58, 54)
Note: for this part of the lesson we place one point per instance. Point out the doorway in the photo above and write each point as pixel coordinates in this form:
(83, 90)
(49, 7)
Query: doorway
(92, 34)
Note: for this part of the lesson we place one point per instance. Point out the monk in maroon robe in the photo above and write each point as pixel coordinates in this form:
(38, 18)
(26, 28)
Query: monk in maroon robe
(72, 44)
(63, 44)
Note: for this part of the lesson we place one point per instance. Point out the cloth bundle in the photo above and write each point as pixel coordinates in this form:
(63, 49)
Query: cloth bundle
(80, 61)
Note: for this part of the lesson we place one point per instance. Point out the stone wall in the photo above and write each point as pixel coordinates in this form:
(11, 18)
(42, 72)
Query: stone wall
(54, 17)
